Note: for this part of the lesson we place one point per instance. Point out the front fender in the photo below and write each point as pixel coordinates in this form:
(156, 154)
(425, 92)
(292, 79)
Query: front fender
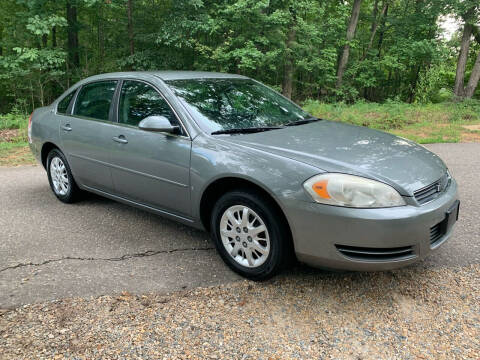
(213, 159)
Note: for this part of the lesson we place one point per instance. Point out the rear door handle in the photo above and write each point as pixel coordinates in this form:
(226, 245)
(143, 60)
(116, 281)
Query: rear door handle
(67, 127)
(120, 139)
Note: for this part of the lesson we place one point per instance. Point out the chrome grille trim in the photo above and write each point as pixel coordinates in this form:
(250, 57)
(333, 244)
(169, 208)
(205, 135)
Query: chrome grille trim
(431, 192)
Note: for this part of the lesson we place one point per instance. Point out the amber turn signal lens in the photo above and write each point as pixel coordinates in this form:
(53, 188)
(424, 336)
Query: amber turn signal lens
(320, 187)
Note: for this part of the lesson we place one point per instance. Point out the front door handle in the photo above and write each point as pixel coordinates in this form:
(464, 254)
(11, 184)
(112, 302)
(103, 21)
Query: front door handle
(67, 127)
(120, 139)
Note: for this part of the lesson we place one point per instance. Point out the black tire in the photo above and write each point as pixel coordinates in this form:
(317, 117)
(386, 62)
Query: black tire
(73, 193)
(280, 244)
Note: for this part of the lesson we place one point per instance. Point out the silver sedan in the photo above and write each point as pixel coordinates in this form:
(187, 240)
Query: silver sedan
(270, 182)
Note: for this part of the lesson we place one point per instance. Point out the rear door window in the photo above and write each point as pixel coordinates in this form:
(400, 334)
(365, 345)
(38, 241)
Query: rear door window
(94, 100)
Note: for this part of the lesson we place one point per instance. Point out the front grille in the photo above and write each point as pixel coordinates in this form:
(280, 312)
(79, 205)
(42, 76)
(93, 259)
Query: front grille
(376, 254)
(430, 192)
(436, 233)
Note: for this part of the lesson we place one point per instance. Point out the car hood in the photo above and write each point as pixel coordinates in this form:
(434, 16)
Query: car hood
(338, 147)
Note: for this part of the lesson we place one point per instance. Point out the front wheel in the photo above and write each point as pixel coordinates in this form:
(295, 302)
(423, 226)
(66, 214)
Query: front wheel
(60, 177)
(249, 234)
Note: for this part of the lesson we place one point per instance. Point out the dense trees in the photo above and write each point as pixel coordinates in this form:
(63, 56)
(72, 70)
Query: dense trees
(329, 49)
(468, 11)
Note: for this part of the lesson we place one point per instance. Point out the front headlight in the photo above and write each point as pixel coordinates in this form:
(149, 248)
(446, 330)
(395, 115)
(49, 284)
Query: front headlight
(352, 191)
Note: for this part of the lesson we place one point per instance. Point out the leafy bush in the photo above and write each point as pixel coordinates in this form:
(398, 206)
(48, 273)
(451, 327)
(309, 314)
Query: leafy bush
(432, 85)
(443, 95)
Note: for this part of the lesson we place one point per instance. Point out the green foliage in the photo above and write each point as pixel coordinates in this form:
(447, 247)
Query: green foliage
(43, 26)
(404, 59)
(29, 71)
(432, 85)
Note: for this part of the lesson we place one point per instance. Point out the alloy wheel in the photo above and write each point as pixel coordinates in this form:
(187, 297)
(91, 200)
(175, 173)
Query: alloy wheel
(245, 236)
(58, 173)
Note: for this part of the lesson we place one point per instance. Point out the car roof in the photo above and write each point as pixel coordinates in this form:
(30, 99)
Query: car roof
(170, 75)
(183, 75)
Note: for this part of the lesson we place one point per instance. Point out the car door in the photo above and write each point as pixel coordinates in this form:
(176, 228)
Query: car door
(86, 134)
(149, 167)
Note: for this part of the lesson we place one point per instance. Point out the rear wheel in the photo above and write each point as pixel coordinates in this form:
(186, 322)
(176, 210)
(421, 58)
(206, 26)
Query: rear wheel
(60, 177)
(250, 235)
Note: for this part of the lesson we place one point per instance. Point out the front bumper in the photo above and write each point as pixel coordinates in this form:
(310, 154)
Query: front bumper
(319, 229)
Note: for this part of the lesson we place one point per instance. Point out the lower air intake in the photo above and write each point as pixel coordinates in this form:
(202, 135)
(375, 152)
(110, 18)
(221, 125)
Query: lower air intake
(376, 254)
(436, 233)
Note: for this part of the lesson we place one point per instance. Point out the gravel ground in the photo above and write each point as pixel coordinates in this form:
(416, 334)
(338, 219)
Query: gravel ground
(430, 313)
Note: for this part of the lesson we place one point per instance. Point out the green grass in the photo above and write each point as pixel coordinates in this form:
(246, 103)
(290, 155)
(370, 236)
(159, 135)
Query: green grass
(15, 153)
(14, 148)
(13, 121)
(13, 128)
(423, 123)
(7, 146)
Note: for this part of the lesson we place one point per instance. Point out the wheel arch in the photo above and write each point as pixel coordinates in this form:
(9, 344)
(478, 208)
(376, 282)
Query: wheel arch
(220, 186)
(46, 148)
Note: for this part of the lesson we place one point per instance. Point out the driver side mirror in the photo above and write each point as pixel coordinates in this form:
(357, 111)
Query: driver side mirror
(158, 123)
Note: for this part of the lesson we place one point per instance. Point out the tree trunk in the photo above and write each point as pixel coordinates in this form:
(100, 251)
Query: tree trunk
(374, 15)
(474, 78)
(287, 84)
(374, 28)
(44, 40)
(72, 35)
(54, 37)
(382, 32)
(462, 60)
(413, 85)
(352, 26)
(41, 95)
(100, 39)
(130, 26)
(32, 96)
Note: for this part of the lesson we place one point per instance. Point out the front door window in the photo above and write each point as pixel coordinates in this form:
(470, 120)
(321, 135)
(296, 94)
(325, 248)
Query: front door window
(139, 100)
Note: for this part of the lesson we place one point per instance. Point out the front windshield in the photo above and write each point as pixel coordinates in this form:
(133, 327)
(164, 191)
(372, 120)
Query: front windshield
(223, 104)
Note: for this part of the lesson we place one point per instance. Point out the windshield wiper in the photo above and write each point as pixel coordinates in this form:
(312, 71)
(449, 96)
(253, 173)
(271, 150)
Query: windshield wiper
(264, 128)
(245, 130)
(303, 121)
